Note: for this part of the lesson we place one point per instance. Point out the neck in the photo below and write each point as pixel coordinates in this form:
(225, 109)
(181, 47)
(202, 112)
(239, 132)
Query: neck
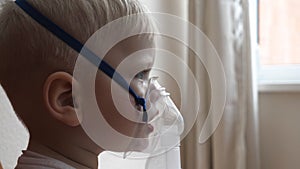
(70, 154)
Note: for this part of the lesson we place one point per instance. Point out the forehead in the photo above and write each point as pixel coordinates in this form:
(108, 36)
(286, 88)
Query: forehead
(131, 45)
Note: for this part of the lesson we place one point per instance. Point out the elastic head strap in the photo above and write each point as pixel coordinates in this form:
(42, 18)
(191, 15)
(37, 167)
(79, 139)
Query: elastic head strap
(80, 48)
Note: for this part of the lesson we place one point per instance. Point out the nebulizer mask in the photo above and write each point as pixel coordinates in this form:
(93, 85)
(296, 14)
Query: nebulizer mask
(167, 123)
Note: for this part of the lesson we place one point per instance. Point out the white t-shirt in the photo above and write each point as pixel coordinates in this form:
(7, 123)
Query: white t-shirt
(32, 160)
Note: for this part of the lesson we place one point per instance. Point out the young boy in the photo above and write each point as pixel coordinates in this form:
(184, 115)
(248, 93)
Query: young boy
(36, 71)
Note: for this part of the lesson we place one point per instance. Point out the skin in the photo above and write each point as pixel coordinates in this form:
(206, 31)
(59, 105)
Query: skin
(103, 83)
(55, 131)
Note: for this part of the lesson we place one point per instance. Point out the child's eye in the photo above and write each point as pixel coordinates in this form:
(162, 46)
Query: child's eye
(143, 75)
(140, 75)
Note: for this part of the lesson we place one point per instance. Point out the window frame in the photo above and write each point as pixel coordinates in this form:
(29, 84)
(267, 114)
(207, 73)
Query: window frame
(274, 78)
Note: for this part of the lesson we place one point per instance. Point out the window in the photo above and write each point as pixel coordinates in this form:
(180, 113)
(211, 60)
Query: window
(279, 41)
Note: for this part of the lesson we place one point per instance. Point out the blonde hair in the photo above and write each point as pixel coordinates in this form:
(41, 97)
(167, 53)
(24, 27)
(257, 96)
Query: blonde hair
(24, 43)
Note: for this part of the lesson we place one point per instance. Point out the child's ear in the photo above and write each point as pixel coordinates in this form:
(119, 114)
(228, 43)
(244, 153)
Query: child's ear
(58, 98)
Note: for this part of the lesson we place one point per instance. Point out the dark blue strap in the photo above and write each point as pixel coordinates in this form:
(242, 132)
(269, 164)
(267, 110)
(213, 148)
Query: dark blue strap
(80, 48)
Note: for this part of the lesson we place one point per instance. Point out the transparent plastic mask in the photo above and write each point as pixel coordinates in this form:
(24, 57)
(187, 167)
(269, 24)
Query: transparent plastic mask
(164, 117)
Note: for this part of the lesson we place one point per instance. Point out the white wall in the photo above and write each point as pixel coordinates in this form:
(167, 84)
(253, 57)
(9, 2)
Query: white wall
(13, 136)
(280, 130)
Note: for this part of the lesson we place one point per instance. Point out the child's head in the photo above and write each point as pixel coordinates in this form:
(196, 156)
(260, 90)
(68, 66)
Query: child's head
(36, 67)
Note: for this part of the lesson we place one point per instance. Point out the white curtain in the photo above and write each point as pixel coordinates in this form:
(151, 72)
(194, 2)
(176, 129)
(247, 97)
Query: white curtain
(234, 145)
